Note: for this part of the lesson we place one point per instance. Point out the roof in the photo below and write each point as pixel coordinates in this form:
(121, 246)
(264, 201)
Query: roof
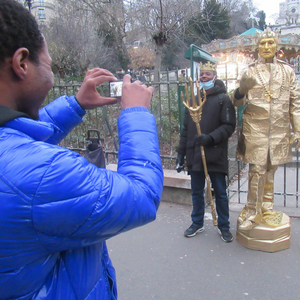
(199, 55)
(252, 31)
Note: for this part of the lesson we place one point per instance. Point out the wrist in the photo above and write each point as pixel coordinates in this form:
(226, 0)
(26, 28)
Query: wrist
(74, 103)
(239, 94)
(134, 109)
(208, 140)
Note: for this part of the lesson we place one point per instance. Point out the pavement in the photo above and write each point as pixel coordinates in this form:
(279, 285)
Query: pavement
(157, 262)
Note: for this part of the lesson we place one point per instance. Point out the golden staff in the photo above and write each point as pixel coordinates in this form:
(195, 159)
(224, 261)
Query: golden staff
(196, 113)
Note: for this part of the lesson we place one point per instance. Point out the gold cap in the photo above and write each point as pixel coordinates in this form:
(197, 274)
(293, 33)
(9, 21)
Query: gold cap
(267, 34)
(208, 66)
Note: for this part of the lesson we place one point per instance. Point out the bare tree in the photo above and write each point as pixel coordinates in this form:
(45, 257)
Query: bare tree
(141, 58)
(109, 15)
(274, 18)
(74, 41)
(161, 22)
(28, 3)
(239, 12)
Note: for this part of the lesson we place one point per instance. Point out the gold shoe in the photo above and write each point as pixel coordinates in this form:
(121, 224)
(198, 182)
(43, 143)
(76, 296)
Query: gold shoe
(247, 224)
(267, 206)
(272, 219)
(242, 216)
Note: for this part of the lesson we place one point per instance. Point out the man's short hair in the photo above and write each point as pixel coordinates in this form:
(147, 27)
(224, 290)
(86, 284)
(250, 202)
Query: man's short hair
(214, 72)
(18, 28)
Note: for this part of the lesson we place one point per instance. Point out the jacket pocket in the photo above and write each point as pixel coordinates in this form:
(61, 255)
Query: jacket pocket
(214, 155)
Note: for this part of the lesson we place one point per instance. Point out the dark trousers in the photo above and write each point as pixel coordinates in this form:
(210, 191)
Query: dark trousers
(219, 185)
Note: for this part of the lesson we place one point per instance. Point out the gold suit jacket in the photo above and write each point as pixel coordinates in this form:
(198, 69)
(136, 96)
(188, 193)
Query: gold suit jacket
(267, 126)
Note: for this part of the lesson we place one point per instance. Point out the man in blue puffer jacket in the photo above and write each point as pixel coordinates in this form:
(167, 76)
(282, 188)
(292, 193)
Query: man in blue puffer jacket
(56, 209)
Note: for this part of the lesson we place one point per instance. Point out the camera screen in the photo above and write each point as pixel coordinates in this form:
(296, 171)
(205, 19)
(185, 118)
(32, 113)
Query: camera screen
(115, 88)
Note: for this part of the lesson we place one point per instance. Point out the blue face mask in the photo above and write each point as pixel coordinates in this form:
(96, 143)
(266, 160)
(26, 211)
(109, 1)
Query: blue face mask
(209, 84)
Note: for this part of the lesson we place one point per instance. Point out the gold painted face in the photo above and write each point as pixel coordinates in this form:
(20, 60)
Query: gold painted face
(267, 48)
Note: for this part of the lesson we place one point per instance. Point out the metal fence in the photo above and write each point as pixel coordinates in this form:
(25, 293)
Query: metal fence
(286, 184)
(164, 106)
(167, 108)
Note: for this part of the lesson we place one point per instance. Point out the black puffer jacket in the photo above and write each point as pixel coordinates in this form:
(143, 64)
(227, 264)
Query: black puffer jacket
(218, 120)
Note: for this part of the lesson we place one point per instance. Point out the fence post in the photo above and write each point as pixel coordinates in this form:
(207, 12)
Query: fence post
(181, 88)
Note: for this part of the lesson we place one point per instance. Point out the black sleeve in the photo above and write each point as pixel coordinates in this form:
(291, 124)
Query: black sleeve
(238, 95)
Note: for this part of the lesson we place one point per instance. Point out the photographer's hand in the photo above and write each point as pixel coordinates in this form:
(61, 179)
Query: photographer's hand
(135, 94)
(87, 96)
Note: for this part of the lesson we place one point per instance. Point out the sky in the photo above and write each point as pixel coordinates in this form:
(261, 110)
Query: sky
(269, 7)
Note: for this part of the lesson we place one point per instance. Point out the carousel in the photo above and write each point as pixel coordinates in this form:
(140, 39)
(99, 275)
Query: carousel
(234, 54)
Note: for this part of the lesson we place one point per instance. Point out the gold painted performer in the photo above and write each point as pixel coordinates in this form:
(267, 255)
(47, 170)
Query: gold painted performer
(271, 91)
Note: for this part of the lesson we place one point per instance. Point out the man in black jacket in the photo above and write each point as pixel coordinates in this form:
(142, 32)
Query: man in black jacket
(217, 125)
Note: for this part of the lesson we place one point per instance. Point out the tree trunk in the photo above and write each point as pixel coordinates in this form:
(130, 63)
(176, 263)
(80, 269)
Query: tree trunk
(157, 67)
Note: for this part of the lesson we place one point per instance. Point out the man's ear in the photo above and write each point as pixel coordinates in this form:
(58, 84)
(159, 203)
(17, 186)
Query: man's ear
(20, 62)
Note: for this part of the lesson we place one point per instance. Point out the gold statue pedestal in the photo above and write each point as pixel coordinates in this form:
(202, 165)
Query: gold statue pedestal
(264, 238)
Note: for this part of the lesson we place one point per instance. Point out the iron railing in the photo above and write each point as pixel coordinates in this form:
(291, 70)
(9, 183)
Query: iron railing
(165, 106)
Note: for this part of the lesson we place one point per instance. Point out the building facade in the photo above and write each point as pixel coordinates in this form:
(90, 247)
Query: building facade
(289, 17)
(43, 10)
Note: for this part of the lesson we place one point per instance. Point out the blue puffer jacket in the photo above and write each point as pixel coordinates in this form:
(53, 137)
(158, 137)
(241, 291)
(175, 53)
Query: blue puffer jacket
(57, 210)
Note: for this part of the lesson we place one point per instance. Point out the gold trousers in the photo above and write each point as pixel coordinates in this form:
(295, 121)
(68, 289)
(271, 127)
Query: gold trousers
(260, 190)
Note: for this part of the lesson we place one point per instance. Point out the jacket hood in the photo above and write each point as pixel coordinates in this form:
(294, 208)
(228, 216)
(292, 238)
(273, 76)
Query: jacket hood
(218, 88)
(8, 114)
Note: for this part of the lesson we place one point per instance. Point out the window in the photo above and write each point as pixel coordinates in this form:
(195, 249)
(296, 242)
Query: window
(42, 3)
(137, 44)
(41, 13)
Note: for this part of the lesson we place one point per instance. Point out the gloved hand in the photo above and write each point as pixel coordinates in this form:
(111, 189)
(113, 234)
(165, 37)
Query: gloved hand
(179, 163)
(296, 138)
(246, 84)
(204, 140)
